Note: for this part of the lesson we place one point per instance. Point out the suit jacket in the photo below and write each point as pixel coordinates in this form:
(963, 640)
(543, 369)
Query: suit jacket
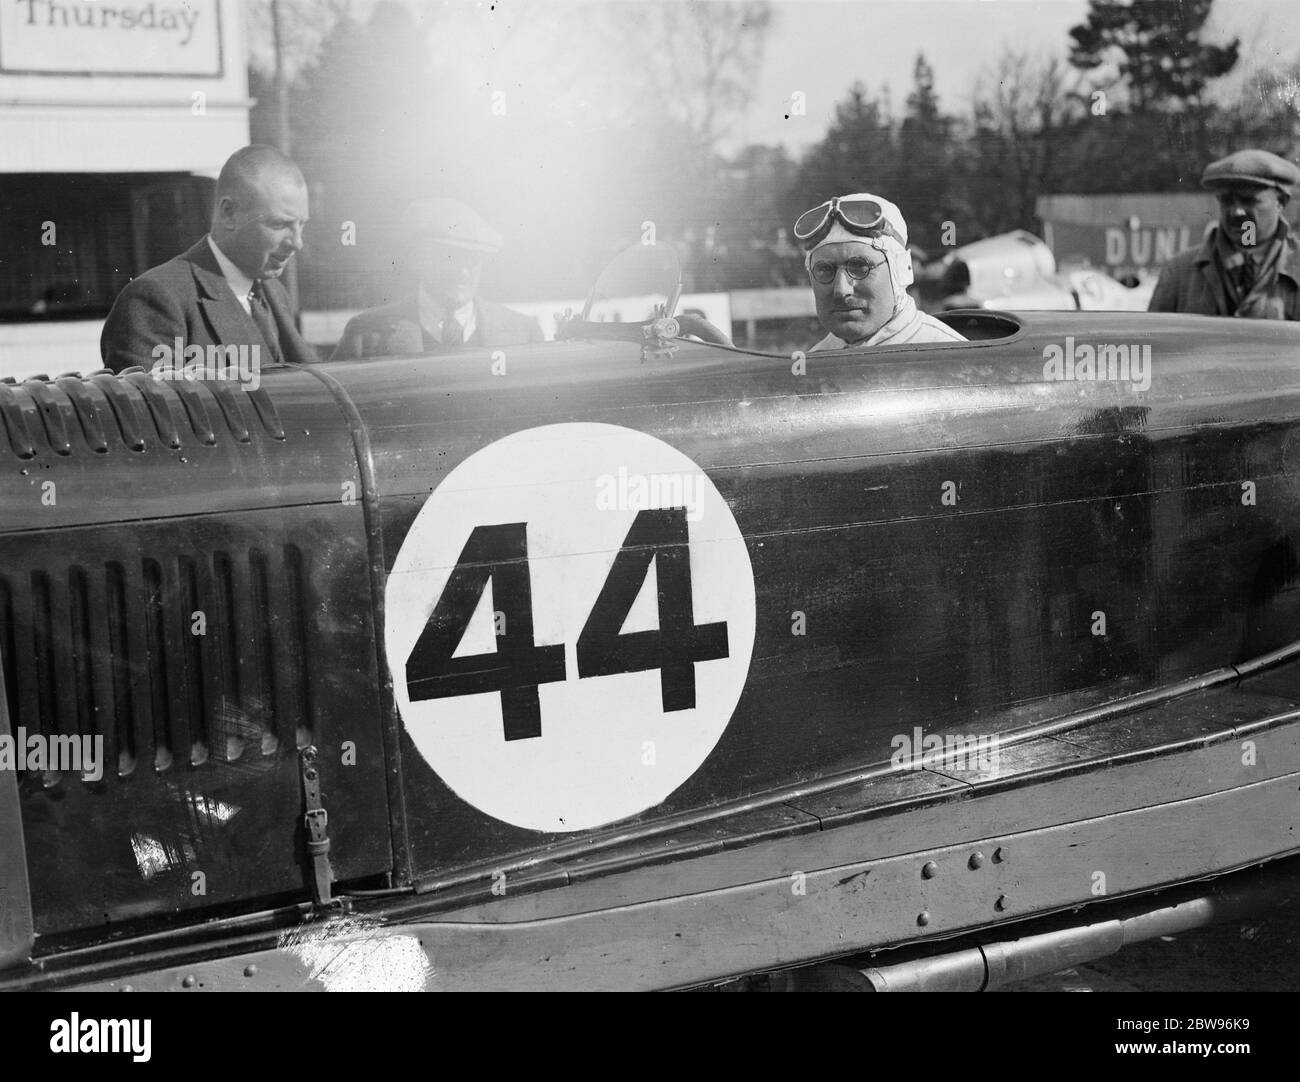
(189, 298)
(394, 330)
(1190, 283)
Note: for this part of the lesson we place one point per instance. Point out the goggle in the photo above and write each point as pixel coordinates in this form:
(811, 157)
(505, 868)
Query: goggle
(865, 217)
(824, 271)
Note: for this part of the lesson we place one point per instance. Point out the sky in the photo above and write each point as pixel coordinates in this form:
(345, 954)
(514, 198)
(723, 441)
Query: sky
(820, 47)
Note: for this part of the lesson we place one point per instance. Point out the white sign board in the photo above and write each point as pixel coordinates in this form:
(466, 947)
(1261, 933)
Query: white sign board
(111, 37)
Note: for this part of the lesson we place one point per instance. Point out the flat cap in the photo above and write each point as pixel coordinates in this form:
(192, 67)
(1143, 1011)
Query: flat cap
(447, 221)
(1252, 167)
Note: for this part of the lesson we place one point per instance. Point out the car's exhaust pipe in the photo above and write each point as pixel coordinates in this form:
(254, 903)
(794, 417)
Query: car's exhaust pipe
(993, 965)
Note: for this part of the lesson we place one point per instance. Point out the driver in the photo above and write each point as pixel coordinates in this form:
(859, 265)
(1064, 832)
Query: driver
(859, 266)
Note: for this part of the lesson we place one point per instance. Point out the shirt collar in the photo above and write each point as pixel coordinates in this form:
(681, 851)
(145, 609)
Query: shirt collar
(240, 283)
(433, 316)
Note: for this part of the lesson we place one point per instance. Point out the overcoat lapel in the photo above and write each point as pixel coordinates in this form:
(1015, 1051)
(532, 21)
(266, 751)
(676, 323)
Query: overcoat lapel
(1217, 290)
(225, 317)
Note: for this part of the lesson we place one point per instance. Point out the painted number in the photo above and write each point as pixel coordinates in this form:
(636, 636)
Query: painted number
(661, 536)
(499, 555)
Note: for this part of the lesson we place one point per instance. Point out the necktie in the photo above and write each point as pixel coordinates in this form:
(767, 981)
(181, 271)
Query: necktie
(453, 334)
(261, 314)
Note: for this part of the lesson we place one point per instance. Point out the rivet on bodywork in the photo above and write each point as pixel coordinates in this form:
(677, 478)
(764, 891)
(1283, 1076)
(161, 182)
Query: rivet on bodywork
(929, 870)
(189, 981)
(250, 971)
(924, 918)
(976, 861)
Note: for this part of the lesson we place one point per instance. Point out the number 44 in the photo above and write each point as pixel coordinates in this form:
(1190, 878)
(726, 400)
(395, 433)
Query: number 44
(519, 666)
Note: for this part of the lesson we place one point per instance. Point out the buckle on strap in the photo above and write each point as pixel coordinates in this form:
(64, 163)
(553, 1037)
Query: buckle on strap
(315, 820)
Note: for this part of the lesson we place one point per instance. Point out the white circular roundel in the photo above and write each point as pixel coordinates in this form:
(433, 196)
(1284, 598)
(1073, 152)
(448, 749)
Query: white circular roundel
(569, 624)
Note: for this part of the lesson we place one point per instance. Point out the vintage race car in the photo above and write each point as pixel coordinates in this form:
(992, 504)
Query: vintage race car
(629, 662)
(1017, 270)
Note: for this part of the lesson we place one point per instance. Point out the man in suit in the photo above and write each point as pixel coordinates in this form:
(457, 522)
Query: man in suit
(225, 291)
(1249, 263)
(444, 313)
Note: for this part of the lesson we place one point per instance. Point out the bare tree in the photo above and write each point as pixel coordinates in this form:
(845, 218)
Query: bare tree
(1023, 110)
(693, 63)
(303, 26)
(1258, 102)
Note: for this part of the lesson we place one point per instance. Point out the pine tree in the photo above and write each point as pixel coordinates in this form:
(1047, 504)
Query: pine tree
(858, 153)
(1155, 54)
(925, 156)
(1156, 49)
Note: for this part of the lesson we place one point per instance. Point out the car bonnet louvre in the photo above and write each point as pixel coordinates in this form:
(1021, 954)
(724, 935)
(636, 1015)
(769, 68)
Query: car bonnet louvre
(104, 413)
(111, 650)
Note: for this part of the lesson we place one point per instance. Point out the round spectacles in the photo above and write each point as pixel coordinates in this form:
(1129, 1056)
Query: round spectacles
(857, 269)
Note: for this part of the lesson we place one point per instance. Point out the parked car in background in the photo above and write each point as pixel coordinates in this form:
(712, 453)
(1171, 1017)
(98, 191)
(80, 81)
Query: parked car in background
(1017, 270)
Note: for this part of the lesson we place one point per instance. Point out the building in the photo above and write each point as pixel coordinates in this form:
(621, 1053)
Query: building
(115, 116)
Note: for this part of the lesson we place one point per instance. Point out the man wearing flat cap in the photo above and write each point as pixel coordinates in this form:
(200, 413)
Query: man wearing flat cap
(1249, 264)
(444, 313)
(859, 266)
